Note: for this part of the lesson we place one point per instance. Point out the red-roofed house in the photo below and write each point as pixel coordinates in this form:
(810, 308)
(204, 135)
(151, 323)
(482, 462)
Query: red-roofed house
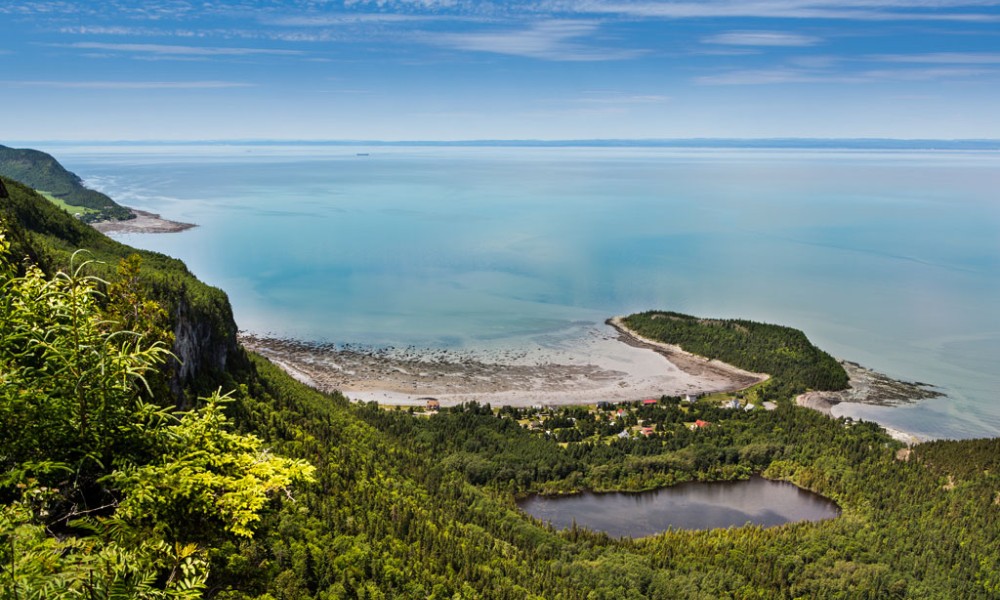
(649, 401)
(699, 423)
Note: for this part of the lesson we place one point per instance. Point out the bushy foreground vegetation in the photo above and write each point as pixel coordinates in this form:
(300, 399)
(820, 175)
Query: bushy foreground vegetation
(106, 491)
(199, 316)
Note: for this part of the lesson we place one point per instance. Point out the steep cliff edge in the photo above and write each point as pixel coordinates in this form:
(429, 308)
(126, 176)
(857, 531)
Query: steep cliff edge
(204, 343)
(201, 316)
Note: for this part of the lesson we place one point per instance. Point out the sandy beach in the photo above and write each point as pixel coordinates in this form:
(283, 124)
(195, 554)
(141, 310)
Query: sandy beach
(611, 364)
(144, 222)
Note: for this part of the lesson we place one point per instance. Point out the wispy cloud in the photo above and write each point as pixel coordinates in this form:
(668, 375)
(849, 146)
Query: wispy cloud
(926, 74)
(594, 103)
(129, 85)
(147, 9)
(791, 75)
(151, 10)
(816, 61)
(944, 58)
(37, 8)
(870, 10)
(619, 98)
(777, 75)
(404, 3)
(761, 38)
(107, 30)
(556, 40)
(174, 50)
(331, 20)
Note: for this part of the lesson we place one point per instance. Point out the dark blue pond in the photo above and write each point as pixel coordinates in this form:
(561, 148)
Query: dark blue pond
(690, 505)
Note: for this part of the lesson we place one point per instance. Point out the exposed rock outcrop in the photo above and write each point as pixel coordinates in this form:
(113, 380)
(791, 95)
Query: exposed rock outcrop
(204, 344)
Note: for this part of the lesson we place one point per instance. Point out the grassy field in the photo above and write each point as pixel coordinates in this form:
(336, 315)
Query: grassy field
(71, 209)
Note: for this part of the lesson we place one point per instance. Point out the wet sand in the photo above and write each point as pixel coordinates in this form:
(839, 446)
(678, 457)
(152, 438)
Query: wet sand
(610, 364)
(144, 222)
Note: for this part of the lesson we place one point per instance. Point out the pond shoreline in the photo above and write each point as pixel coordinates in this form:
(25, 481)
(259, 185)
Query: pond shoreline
(690, 505)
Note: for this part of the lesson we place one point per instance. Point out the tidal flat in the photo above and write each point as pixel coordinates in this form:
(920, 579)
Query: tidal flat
(608, 366)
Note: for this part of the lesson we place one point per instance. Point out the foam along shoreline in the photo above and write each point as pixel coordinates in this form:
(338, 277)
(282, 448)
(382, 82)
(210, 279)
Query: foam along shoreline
(609, 364)
(144, 222)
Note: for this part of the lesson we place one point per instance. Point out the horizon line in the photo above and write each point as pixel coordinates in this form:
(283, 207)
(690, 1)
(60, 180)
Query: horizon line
(688, 142)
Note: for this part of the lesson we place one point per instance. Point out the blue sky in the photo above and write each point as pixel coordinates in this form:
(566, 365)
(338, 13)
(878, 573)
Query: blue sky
(451, 69)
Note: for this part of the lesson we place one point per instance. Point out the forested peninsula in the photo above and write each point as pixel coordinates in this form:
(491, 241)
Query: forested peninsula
(794, 364)
(216, 475)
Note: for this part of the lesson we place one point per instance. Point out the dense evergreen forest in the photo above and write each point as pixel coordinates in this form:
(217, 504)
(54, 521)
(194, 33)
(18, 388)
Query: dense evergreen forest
(43, 172)
(119, 484)
(793, 362)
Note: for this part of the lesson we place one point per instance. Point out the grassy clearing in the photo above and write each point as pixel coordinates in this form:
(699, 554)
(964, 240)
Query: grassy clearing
(70, 208)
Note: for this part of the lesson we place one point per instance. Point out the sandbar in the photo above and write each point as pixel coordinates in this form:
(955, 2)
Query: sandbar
(144, 222)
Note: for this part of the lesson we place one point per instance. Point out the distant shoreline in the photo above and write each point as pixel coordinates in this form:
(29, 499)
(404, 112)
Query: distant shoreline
(144, 222)
(776, 143)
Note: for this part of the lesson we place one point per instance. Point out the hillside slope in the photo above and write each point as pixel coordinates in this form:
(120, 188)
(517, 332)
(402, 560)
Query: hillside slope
(43, 172)
(203, 325)
(411, 506)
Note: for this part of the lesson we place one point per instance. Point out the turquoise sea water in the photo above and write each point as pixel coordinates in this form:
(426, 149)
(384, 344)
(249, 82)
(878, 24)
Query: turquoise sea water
(891, 259)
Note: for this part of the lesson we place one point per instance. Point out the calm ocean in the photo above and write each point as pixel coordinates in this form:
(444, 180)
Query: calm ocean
(890, 259)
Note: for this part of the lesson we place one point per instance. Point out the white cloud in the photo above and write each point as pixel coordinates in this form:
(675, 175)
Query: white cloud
(547, 40)
(619, 98)
(926, 74)
(944, 58)
(172, 50)
(869, 10)
(761, 38)
(130, 85)
(815, 61)
(784, 75)
(405, 3)
(108, 30)
(347, 19)
(37, 7)
(769, 77)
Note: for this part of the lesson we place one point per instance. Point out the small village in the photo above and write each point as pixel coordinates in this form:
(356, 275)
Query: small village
(607, 422)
